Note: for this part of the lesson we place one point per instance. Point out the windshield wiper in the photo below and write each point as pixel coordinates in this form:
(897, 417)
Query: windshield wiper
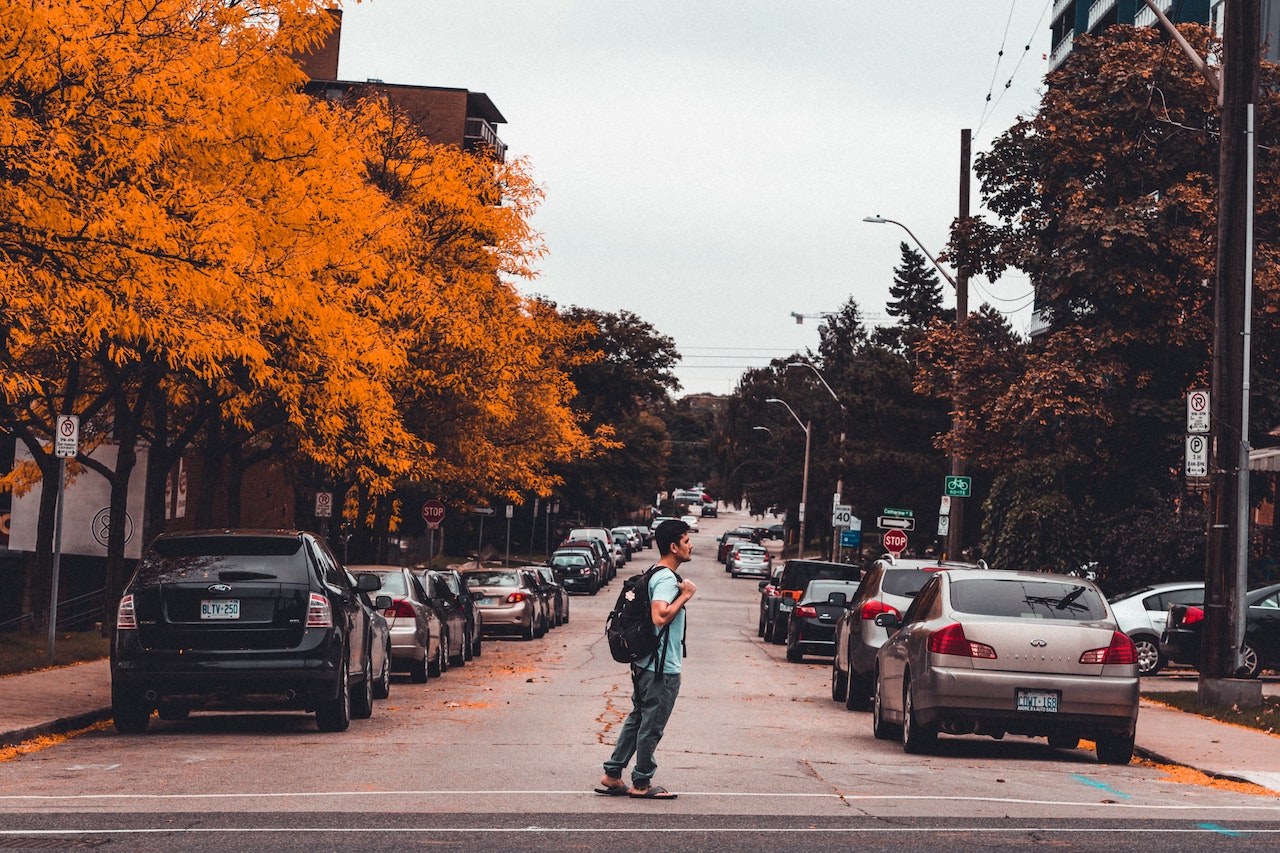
(1069, 599)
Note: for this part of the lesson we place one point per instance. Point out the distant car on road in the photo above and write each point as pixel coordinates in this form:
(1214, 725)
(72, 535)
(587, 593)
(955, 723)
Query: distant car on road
(811, 629)
(995, 652)
(748, 558)
(419, 636)
(779, 598)
(508, 599)
(1180, 642)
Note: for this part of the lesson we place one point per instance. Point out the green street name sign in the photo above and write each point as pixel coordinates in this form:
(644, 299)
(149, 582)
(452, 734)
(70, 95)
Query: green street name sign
(901, 513)
(956, 487)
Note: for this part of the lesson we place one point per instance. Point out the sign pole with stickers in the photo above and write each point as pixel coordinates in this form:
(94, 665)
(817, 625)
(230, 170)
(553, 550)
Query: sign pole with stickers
(66, 443)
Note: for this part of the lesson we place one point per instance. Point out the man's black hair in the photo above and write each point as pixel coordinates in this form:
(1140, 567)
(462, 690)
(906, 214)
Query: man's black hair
(668, 534)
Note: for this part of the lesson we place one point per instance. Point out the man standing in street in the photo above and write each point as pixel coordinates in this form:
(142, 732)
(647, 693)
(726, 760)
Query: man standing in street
(655, 680)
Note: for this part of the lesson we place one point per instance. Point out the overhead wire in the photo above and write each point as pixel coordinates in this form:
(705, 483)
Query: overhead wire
(989, 106)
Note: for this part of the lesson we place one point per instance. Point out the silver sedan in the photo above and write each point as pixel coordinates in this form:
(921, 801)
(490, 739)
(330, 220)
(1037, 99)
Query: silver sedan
(989, 653)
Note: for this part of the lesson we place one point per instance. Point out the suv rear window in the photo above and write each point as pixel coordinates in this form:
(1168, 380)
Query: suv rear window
(1027, 599)
(906, 582)
(224, 558)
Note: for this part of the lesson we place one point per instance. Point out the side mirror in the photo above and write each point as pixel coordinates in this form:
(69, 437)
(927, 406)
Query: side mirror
(888, 620)
(368, 582)
(382, 602)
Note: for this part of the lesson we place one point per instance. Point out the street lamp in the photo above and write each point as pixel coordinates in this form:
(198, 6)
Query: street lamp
(955, 523)
(804, 482)
(843, 416)
(764, 429)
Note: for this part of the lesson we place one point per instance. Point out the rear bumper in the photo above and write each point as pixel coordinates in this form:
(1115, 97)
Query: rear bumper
(505, 619)
(982, 702)
(1181, 647)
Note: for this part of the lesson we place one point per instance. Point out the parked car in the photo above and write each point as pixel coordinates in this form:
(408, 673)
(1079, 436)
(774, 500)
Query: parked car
(577, 569)
(634, 540)
(692, 521)
(467, 604)
(1142, 613)
(419, 636)
(242, 619)
(889, 586)
(606, 539)
(379, 639)
(623, 541)
(778, 599)
(811, 628)
(748, 558)
(602, 555)
(452, 614)
(1180, 641)
(508, 599)
(559, 595)
(657, 519)
(709, 509)
(738, 533)
(995, 652)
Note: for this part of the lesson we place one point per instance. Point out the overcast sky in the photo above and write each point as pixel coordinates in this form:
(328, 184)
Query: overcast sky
(708, 163)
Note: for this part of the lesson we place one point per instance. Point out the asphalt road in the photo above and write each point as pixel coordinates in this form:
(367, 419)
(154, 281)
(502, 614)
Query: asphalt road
(502, 755)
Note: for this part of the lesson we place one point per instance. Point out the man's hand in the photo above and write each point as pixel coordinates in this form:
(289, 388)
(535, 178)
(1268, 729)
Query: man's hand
(688, 588)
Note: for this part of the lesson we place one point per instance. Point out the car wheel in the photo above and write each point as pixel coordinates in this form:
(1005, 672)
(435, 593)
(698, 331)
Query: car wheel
(839, 683)
(467, 646)
(566, 611)
(1063, 741)
(440, 664)
(1150, 660)
(879, 728)
(528, 629)
(420, 670)
(858, 695)
(794, 653)
(130, 711)
(460, 659)
(362, 698)
(760, 627)
(334, 715)
(1250, 667)
(1114, 749)
(779, 631)
(916, 739)
(382, 687)
(476, 644)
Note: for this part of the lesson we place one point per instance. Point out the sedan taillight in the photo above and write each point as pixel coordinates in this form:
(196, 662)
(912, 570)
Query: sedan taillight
(399, 609)
(874, 608)
(517, 597)
(1192, 616)
(806, 611)
(952, 641)
(126, 617)
(1121, 651)
(319, 612)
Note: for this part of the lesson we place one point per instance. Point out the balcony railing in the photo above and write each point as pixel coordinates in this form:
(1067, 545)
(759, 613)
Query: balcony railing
(1099, 10)
(1061, 49)
(480, 134)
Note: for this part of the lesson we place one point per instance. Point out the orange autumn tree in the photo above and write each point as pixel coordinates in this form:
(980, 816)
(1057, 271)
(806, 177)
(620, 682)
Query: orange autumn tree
(179, 225)
(484, 388)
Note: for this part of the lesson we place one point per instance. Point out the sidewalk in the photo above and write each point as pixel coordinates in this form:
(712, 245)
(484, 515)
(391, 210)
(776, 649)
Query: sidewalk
(60, 700)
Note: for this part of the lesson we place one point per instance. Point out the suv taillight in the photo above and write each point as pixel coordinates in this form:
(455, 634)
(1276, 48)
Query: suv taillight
(874, 608)
(952, 641)
(125, 616)
(1121, 651)
(319, 612)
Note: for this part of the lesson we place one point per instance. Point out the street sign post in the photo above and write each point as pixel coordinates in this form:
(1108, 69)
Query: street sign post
(66, 439)
(850, 538)
(841, 515)
(433, 514)
(1198, 412)
(895, 522)
(324, 504)
(1197, 464)
(895, 541)
(956, 486)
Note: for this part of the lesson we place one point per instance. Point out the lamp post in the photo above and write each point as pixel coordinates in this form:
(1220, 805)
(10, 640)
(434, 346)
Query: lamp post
(955, 523)
(764, 429)
(840, 459)
(804, 482)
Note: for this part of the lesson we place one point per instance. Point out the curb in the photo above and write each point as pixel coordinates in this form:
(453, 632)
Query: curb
(62, 725)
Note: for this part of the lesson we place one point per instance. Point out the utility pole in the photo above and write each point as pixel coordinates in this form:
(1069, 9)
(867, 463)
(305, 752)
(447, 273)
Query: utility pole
(1229, 432)
(955, 528)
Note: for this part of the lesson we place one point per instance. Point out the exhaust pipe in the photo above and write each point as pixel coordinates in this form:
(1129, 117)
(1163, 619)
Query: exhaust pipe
(151, 695)
(291, 695)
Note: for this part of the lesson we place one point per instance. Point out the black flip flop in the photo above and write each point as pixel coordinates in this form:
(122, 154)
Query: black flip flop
(655, 792)
(613, 790)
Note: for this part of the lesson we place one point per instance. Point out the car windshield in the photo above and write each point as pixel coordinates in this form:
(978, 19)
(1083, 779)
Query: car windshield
(1027, 599)
(569, 560)
(224, 558)
(393, 583)
(499, 578)
(904, 582)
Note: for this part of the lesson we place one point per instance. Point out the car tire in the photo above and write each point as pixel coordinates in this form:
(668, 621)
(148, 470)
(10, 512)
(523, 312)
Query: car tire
(382, 687)
(1150, 661)
(779, 631)
(362, 697)
(1114, 749)
(916, 739)
(334, 715)
(566, 611)
(839, 683)
(460, 659)
(1063, 741)
(130, 712)
(528, 630)
(420, 670)
(476, 647)
(467, 645)
(879, 728)
(1251, 666)
(760, 627)
(858, 694)
(440, 665)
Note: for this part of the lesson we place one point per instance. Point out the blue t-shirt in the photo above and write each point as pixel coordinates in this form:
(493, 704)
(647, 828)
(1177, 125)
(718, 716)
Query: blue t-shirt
(663, 587)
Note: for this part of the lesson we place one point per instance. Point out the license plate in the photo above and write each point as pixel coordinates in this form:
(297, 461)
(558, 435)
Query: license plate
(486, 602)
(228, 608)
(1039, 701)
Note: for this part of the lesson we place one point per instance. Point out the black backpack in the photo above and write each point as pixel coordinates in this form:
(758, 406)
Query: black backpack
(629, 626)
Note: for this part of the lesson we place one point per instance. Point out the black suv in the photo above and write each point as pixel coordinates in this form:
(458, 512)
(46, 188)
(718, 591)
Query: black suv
(778, 596)
(242, 620)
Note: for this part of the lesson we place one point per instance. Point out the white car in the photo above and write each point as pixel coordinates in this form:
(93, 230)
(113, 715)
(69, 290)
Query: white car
(1143, 612)
(692, 521)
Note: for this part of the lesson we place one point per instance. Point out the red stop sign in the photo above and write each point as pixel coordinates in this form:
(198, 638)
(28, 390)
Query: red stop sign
(433, 512)
(895, 541)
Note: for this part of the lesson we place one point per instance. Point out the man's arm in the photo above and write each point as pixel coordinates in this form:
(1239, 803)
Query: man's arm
(665, 611)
